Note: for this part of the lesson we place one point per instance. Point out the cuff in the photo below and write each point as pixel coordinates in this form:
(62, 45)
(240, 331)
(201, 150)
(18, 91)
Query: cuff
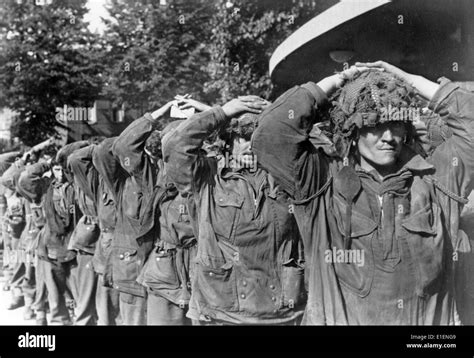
(154, 121)
(318, 94)
(218, 113)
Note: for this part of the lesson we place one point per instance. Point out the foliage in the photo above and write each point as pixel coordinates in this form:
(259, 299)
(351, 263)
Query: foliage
(150, 51)
(48, 58)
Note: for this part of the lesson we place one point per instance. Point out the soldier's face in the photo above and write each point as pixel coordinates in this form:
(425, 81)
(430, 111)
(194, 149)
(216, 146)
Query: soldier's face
(58, 173)
(242, 152)
(380, 146)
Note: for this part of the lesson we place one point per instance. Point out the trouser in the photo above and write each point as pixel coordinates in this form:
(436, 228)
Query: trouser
(85, 286)
(23, 283)
(58, 281)
(465, 287)
(107, 302)
(41, 295)
(132, 309)
(28, 285)
(22, 279)
(8, 263)
(162, 312)
(16, 279)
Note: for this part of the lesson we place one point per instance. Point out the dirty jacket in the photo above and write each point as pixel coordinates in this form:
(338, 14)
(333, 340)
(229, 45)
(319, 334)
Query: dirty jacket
(35, 218)
(53, 244)
(167, 271)
(86, 233)
(131, 188)
(405, 227)
(105, 164)
(248, 267)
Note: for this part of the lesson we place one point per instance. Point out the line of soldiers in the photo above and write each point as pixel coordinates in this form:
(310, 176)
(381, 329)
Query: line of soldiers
(227, 217)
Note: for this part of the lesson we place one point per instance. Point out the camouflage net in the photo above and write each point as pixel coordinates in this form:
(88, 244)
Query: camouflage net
(369, 99)
(244, 125)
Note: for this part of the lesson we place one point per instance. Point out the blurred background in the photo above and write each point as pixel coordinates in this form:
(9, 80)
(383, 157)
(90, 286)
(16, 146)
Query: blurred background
(82, 68)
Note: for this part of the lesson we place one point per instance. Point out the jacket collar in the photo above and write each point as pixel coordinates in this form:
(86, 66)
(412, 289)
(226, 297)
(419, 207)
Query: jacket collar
(409, 160)
(414, 162)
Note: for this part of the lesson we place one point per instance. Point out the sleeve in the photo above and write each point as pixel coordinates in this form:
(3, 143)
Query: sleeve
(129, 147)
(454, 159)
(108, 166)
(281, 141)
(31, 184)
(85, 174)
(184, 162)
(7, 159)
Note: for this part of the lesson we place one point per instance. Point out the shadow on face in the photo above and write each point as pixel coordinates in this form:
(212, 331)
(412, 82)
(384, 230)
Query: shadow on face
(380, 146)
(58, 173)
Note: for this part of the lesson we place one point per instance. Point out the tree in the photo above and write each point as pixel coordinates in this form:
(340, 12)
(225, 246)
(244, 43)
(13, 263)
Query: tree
(244, 36)
(48, 58)
(156, 51)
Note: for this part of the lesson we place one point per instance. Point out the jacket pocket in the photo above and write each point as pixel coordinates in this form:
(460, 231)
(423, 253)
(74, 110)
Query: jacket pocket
(85, 234)
(293, 287)
(160, 271)
(424, 234)
(354, 267)
(125, 266)
(132, 199)
(226, 214)
(215, 286)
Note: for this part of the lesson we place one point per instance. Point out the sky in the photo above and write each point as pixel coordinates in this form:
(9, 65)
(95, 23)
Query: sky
(96, 10)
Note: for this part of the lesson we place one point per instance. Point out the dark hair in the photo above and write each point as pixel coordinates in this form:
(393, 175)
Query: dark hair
(153, 144)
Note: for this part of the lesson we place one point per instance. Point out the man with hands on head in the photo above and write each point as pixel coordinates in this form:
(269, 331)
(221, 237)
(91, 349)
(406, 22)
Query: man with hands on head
(378, 199)
(133, 186)
(249, 266)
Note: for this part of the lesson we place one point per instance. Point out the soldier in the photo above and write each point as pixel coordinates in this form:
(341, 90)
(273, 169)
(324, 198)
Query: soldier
(35, 221)
(166, 273)
(248, 267)
(137, 149)
(15, 224)
(33, 285)
(6, 160)
(55, 260)
(107, 167)
(378, 249)
(85, 235)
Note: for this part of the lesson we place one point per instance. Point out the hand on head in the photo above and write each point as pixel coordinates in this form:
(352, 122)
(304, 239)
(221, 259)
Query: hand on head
(186, 102)
(242, 104)
(383, 66)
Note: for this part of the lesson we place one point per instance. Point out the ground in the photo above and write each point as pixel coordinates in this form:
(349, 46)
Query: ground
(10, 318)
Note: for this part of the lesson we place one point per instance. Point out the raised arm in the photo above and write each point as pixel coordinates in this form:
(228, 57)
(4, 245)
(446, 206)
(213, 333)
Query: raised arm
(453, 159)
(32, 184)
(129, 147)
(85, 174)
(7, 159)
(184, 164)
(108, 166)
(281, 140)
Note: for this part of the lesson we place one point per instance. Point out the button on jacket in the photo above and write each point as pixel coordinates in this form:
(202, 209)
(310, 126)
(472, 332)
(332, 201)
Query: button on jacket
(105, 205)
(132, 185)
(86, 233)
(53, 243)
(407, 239)
(248, 267)
(167, 271)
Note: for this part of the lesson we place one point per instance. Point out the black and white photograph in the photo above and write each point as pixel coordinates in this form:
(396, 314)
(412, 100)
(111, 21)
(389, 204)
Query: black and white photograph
(186, 167)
